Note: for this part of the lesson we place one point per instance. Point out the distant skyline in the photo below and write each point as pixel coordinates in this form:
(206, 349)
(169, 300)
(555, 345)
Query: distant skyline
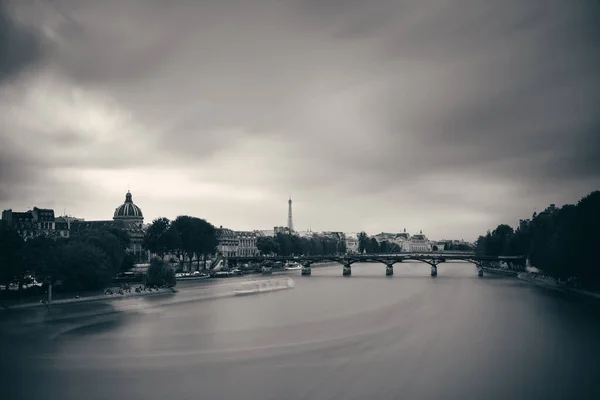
(448, 117)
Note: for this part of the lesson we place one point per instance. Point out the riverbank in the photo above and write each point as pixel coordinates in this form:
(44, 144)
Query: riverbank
(550, 283)
(94, 296)
(100, 296)
(56, 320)
(501, 271)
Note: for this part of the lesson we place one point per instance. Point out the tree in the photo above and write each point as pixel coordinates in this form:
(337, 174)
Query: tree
(113, 247)
(187, 236)
(159, 274)
(206, 239)
(128, 262)
(588, 235)
(341, 246)
(267, 245)
(434, 248)
(363, 242)
(173, 242)
(42, 256)
(156, 238)
(191, 236)
(498, 244)
(85, 267)
(384, 247)
(373, 246)
(121, 235)
(12, 266)
(284, 241)
(559, 241)
(315, 246)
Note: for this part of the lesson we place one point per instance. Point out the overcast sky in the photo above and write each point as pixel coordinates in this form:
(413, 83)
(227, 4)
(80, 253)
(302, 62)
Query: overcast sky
(443, 116)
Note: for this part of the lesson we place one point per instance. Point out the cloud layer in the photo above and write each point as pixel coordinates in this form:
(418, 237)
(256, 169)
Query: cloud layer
(448, 117)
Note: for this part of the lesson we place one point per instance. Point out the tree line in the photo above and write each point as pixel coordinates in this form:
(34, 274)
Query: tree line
(450, 246)
(86, 262)
(285, 244)
(561, 241)
(188, 238)
(370, 245)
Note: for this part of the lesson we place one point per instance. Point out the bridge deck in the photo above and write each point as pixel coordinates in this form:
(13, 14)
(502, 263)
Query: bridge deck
(384, 258)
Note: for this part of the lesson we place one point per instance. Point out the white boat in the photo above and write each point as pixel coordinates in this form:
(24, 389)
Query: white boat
(293, 266)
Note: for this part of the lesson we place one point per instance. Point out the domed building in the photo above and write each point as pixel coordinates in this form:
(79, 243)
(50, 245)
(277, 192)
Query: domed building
(129, 212)
(131, 219)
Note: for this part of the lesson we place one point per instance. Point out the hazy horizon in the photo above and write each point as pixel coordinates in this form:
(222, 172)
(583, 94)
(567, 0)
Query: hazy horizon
(446, 117)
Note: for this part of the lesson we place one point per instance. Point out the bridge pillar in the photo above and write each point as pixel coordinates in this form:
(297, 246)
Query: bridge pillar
(306, 269)
(389, 269)
(479, 270)
(433, 269)
(347, 271)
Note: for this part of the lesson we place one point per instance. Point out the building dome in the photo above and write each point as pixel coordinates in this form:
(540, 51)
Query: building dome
(128, 210)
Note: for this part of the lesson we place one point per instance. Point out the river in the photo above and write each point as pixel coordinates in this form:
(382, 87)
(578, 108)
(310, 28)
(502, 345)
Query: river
(368, 336)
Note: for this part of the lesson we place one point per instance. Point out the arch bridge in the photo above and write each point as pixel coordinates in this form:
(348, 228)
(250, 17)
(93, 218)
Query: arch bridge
(433, 259)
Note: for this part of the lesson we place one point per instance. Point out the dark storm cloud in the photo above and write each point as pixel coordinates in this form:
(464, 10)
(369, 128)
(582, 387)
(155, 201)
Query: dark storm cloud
(19, 46)
(18, 172)
(500, 86)
(410, 104)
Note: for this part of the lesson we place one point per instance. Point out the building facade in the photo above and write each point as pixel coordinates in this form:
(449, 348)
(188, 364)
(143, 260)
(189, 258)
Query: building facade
(237, 243)
(407, 243)
(38, 221)
(42, 221)
(351, 243)
(419, 243)
(247, 244)
(402, 239)
(281, 229)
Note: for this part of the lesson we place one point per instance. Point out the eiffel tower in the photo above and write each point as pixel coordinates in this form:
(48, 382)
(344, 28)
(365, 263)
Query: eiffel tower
(290, 223)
